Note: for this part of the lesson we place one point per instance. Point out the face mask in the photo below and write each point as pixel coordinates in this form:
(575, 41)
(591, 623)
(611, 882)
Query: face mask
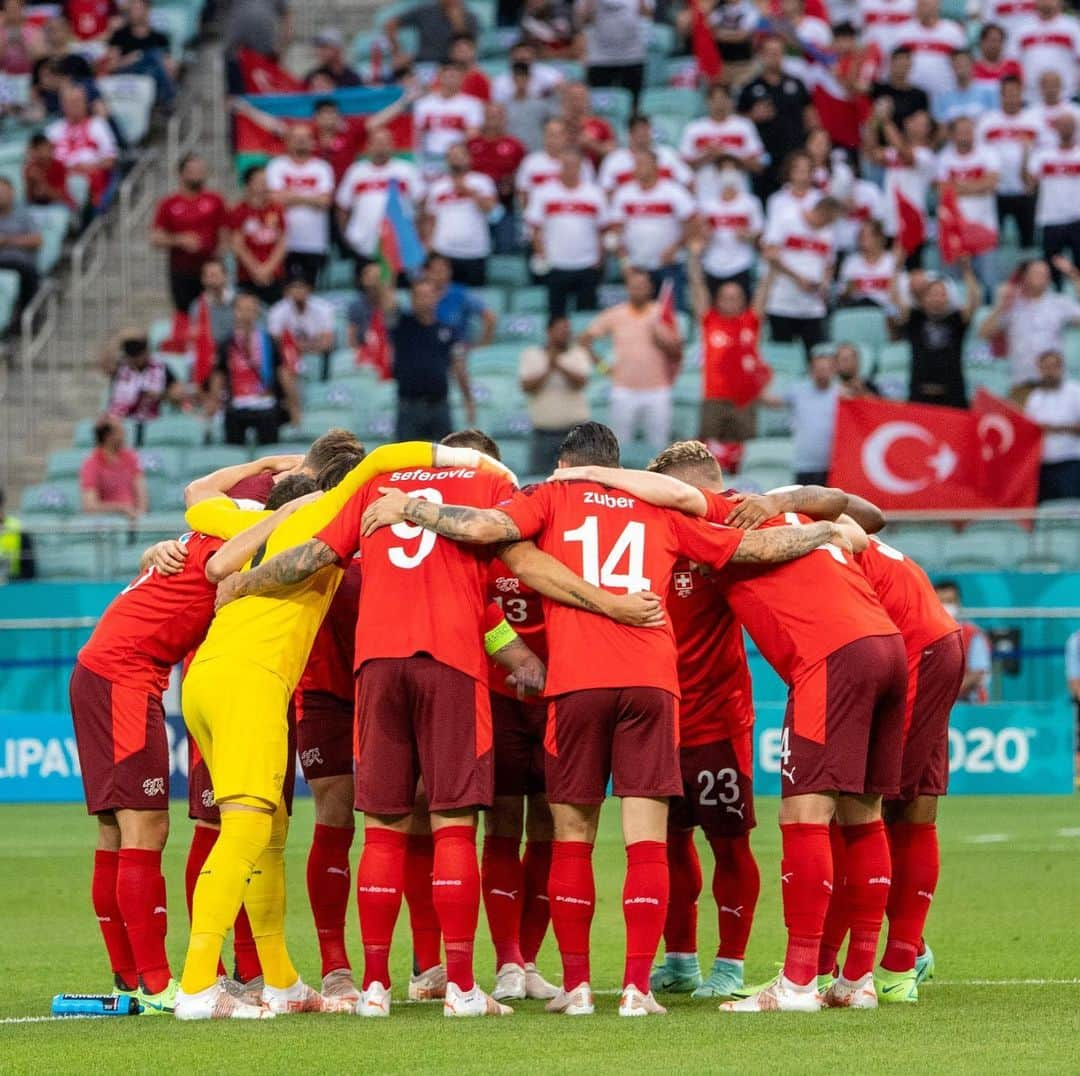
(952, 608)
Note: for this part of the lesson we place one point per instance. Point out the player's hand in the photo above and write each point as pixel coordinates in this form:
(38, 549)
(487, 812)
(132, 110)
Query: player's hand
(167, 557)
(642, 610)
(850, 536)
(528, 678)
(284, 462)
(385, 512)
(227, 590)
(752, 510)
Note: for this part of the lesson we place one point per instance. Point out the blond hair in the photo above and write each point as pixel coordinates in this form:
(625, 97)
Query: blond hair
(687, 458)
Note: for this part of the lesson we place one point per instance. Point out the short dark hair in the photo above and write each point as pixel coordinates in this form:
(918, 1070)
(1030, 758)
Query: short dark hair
(1011, 78)
(947, 584)
(462, 35)
(289, 488)
(987, 27)
(186, 160)
(325, 449)
(472, 438)
(40, 139)
(325, 102)
(249, 173)
(590, 443)
(902, 50)
(844, 29)
(338, 468)
(519, 67)
(102, 429)
(555, 318)
(637, 119)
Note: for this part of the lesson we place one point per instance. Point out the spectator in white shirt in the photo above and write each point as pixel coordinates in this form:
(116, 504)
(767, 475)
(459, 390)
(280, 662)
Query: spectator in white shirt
(864, 204)
(932, 41)
(445, 116)
(566, 218)
(798, 191)
(799, 245)
(618, 166)
(304, 186)
(307, 319)
(543, 79)
(1008, 15)
(363, 190)
(731, 224)
(83, 143)
(973, 171)
(720, 134)
(866, 276)
(1048, 41)
(1012, 132)
(455, 221)
(543, 165)
(1052, 101)
(883, 21)
(806, 29)
(1055, 173)
(654, 218)
(1055, 405)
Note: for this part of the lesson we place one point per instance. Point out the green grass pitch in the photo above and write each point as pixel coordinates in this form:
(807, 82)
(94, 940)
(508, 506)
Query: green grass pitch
(1004, 929)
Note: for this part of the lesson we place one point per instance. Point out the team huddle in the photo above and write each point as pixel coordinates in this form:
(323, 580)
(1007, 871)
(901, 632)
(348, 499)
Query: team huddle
(433, 642)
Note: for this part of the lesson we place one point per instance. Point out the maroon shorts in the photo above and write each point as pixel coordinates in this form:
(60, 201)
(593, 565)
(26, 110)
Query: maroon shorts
(629, 734)
(844, 724)
(417, 717)
(518, 730)
(934, 678)
(123, 744)
(324, 733)
(718, 788)
(201, 804)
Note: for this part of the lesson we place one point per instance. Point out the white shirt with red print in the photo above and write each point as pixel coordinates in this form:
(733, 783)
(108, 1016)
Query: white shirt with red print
(931, 53)
(1008, 14)
(1048, 45)
(911, 180)
(804, 250)
(651, 220)
(540, 167)
(980, 163)
(86, 144)
(461, 227)
(362, 192)
(570, 220)
(869, 280)
(883, 20)
(441, 122)
(618, 168)
(732, 225)
(307, 229)
(865, 202)
(1010, 137)
(1058, 173)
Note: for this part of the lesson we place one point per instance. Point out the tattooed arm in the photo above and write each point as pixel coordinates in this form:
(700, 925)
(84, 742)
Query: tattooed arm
(818, 502)
(289, 567)
(778, 544)
(479, 526)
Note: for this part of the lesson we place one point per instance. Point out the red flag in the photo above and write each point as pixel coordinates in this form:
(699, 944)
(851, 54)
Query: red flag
(747, 377)
(177, 343)
(957, 235)
(374, 350)
(709, 63)
(262, 75)
(729, 454)
(205, 348)
(911, 224)
(290, 351)
(665, 316)
(918, 456)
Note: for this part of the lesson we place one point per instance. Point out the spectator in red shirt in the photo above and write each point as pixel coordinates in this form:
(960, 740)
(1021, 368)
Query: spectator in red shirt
(111, 477)
(44, 177)
(497, 153)
(991, 65)
(91, 20)
(257, 226)
(335, 141)
(188, 224)
(593, 135)
(474, 81)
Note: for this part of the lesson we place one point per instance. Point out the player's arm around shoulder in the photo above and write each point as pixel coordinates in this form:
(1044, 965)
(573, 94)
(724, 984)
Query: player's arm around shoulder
(775, 545)
(661, 490)
(479, 526)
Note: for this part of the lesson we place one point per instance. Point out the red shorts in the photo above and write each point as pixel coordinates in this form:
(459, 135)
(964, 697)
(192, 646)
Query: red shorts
(844, 724)
(629, 734)
(417, 717)
(518, 729)
(123, 744)
(934, 678)
(718, 788)
(201, 804)
(324, 733)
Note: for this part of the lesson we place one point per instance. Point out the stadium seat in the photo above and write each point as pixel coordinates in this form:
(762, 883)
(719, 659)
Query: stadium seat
(12, 171)
(9, 292)
(613, 103)
(184, 431)
(894, 358)
(762, 479)
(162, 461)
(785, 359)
(508, 270)
(315, 423)
(336, 395)
(64, 463)
(995, 377)
(496, 358)
(662, 39)
(58, 498)
(685, 419)
(68, 561)
(515, 454)
(166, 494)
(343, 365)
(203, 460)
(493, 43)
(493, 297)
(768, 452)
(520, 328)
(667, 128)
(923, 543)
(130, 100)
(1072, 350)
(1060, 543)
(860, 325)
(531, 300)
(672, 101)
(572, 70)
(157, 526)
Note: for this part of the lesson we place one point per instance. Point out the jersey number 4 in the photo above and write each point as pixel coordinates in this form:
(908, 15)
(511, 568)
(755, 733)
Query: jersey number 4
(400, 557)
(629, 546)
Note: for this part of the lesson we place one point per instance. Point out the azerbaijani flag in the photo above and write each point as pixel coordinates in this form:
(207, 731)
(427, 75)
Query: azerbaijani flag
(399, 243)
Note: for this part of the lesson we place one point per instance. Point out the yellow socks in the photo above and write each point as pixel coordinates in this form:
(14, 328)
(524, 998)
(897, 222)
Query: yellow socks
(265, 904)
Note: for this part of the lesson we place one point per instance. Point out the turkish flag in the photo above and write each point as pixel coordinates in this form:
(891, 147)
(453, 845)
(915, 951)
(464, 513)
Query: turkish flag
(710, 65)
(957, 235)
(262, 75)
(916, 456)
(205, 348)
(911, 231)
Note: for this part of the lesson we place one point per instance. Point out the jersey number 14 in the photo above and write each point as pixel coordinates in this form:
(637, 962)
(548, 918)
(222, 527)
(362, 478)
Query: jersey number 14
(629, 547)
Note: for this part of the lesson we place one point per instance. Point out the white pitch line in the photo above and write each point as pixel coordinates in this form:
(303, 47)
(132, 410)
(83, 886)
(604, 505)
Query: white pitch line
(987, 838)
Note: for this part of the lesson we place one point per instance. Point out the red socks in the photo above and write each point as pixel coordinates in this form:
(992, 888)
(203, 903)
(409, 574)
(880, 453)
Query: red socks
(328, 886)
(426, 933)
(380, 879)
(536, 909)
(916, 866)
(736, 885)
(110, 920)
(247, 965)
(838, 918)
(869, 876)
(455, 888)
(572, 897)
(203, 839)
(806, 871)
(645, 905)
(140, 896)
(502, 879)
(684, 872)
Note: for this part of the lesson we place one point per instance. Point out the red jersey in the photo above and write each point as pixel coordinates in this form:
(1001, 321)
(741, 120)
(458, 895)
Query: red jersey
(89, 18)
(339, 149)
(153, 623)
(801, 612)
(330, 664)
(256, 487)
(622, 544)
(476, 84)
(725, 343)
(497, 158)
(204, 214)
(422, 594)
(523, 610)
(906, 594)
(262, 229)
(714, 678)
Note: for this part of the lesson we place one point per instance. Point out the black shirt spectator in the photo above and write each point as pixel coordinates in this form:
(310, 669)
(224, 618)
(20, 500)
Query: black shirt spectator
(331, 65)
(127, 40)
(906, 98)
